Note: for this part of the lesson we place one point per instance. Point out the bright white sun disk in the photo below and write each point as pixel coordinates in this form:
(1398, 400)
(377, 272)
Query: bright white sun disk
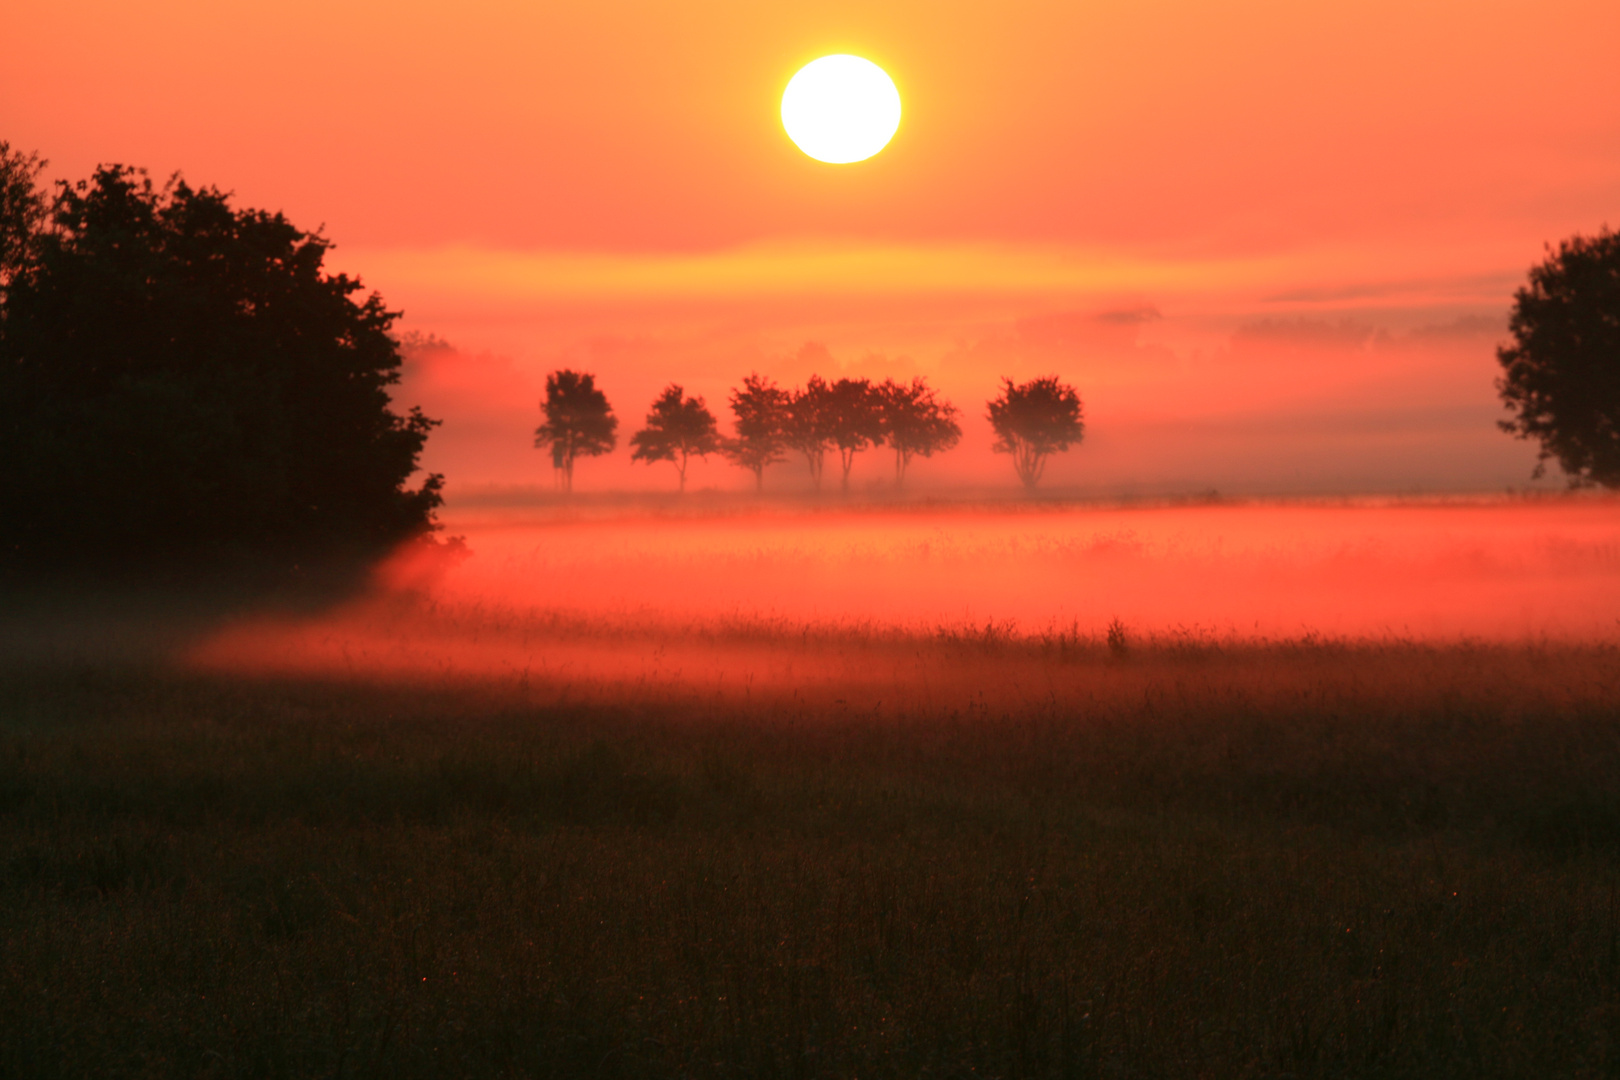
(841, 109)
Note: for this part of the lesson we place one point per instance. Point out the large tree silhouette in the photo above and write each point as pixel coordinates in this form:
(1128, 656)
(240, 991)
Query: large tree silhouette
(809, 424)
(22, 211)
(179, 376)
(1033, 421)
(855, 420)
(678, 427)
(915, 422)
(1561, 375)
(762, 413)
(578, 422)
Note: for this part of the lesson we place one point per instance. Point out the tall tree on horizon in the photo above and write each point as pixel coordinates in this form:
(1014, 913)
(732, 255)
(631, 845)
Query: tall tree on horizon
(1033, 421)
(678, 428)
(809, 426)
(578, 422)
(855, 421)
(1561, 375)
(762, 411)
(916, 423)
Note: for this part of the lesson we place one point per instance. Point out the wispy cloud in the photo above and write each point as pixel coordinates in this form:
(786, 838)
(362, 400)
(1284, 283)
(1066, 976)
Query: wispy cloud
(799, 268)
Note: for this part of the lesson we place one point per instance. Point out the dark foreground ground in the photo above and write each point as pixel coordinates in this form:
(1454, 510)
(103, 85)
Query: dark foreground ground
(1225, 862)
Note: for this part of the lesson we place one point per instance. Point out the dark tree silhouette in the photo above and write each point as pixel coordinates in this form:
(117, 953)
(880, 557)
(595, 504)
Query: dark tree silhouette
(762, 411)
(180, 377)
(678, 427)
(915, 422)
(1033, 421)
(22, 212)
(855, 420)
(809, 426)
(1562, 373)
(579, 422)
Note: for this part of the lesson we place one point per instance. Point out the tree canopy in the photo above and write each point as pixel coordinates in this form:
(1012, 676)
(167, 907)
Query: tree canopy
(178, 375)
(809, 424)
(855, 420)
(915, 422)
(850, 415)
(22, 211)
(1033, 421)
(578, 422)
(762, 411)
(678, 428)
(1561, 374)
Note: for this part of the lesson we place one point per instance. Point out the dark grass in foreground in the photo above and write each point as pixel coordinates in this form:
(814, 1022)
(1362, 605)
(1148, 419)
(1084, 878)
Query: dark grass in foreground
(1190, 872)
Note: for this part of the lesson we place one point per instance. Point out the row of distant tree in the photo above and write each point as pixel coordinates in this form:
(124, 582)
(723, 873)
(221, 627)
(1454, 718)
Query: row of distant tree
(846, 417)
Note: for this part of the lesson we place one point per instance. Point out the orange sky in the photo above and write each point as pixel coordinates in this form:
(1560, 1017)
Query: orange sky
(1326, 204)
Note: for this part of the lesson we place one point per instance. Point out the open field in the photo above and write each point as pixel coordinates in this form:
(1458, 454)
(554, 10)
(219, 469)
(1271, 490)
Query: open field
(495, 822)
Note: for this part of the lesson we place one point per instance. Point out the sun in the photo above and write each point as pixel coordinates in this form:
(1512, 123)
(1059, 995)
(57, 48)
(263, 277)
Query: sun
(841, 109)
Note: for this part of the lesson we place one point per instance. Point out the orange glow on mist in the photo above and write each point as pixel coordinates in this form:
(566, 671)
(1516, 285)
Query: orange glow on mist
(788, 598)
(1499, 570)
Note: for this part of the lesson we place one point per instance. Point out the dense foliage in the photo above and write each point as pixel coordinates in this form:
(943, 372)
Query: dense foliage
(180, 377)
(1561, 375)
(578, 422)
(848, 415)
(1033, 421)
(760, 408)
(852, 415)
(678, 428)
(855, 420)
(809, 424)
(22, 211)
(915, 422)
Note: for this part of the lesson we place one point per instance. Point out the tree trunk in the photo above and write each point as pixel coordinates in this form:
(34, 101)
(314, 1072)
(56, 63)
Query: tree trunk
(1027, 461)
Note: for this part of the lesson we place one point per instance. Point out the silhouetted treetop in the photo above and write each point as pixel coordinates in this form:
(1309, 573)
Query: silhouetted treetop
(1033, 421)
(1561, 375)
(762, 412)
(176, 374)
(854, 420)
(578, 422)
(810, 424)
(22, 211)
(850, 415)
(678, 428)
(915, 422)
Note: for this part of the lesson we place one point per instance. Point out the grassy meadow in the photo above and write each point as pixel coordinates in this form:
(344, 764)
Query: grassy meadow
(375, 841)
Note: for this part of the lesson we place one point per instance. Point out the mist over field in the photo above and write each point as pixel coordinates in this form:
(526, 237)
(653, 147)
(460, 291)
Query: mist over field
(724, 594)
(524, 560)
(826, 787)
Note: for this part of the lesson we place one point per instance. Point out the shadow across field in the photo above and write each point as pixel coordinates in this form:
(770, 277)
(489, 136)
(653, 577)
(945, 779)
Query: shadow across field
(1162, 859)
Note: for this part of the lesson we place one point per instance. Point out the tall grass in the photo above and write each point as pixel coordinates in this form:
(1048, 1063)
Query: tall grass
(1002, 855)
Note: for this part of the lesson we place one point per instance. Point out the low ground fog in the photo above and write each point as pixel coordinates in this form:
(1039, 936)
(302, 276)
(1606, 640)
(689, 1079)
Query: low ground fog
(741, 596)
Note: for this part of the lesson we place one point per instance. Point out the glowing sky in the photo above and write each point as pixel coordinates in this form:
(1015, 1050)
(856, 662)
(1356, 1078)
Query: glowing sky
(608, 184)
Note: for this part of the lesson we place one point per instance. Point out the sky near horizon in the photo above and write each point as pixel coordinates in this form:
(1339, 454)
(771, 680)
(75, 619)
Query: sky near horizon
(1273, 244)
